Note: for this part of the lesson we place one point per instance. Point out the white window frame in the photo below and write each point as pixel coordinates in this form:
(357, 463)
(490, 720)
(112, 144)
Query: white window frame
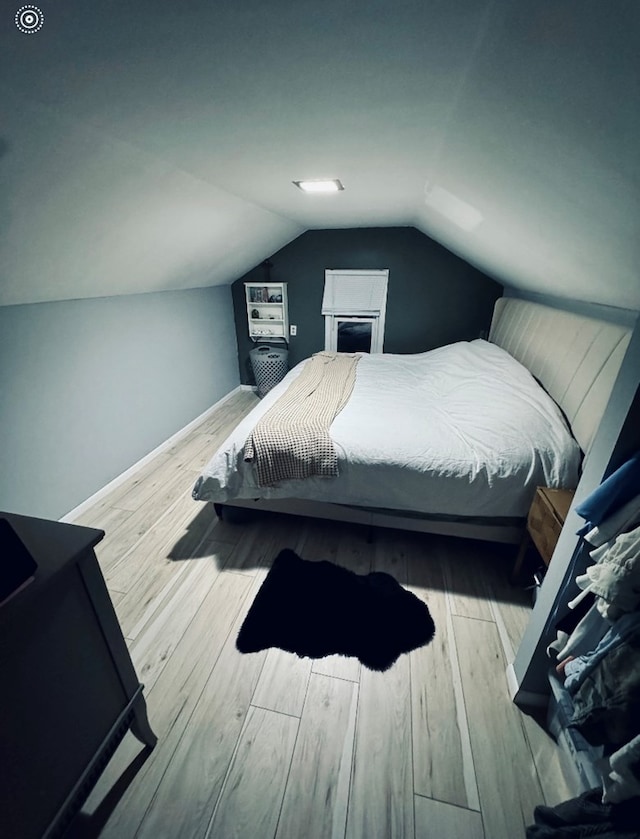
(363, 298)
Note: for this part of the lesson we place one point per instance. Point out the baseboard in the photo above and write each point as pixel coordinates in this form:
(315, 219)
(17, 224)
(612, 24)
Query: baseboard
(524, 698)
(120, 479)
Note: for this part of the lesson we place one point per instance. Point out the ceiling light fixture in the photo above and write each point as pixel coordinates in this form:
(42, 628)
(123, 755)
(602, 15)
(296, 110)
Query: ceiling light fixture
(333, 185)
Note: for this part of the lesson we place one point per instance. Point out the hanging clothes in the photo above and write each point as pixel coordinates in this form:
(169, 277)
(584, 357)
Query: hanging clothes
(606, 706)
(585, 636)
(612, 511)
(621, 773)
(621, 521)
(615, 491)
(577, 670)
(600, 656)
(615, 575)
(586, 815)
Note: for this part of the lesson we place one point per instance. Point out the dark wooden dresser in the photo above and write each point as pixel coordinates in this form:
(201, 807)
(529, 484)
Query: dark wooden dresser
(68, 689)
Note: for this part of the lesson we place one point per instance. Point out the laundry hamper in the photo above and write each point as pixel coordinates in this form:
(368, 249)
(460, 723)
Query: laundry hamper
(270, 365)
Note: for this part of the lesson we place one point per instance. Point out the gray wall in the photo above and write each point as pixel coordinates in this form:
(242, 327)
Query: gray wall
(88, 387)
(434, 297)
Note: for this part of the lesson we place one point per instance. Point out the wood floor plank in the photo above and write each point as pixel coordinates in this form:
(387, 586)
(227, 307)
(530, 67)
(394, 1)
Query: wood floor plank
(209, 445)
(230, 412)
(104, 517)
(190, 787)
(259, 542)
(507, 780)
(116, 596)
(153, 641)
(160, 477)
(161, 562)
(435, 818)
(511, 604)
(355, 551)
(467, 583)
(191, 447)
(557, 784)
(223, 531)
(139, 477)
(148, 594)
(214, 434)
(120, 540)
(283, 683)
(442, 766)
(337, 666)
(319, 540)
(210, 553)
(150, 525)
(390, 553)
(317, 791)
(171, 702)
(261, 762)
(381, 800)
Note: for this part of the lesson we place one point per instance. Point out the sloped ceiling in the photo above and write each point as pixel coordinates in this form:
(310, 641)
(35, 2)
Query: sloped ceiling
(152, 146)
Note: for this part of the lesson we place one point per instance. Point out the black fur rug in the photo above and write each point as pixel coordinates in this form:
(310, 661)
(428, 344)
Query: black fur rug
(315, 609)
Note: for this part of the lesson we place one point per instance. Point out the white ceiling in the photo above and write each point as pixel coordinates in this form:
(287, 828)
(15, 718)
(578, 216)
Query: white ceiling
(151, 146)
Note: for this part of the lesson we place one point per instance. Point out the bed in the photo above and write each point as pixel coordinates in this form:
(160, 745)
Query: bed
(454, 440)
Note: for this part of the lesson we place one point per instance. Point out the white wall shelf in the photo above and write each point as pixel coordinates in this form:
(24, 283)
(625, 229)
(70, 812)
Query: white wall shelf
(267, 311)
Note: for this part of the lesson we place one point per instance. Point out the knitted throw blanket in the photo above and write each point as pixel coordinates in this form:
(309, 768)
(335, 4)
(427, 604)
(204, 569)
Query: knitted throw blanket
(292, 439)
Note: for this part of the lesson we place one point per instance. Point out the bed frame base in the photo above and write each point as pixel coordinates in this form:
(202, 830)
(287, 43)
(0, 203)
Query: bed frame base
(509, 534)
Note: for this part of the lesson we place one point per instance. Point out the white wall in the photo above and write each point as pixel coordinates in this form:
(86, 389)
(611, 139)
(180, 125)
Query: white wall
(84, 213)
(88, 387)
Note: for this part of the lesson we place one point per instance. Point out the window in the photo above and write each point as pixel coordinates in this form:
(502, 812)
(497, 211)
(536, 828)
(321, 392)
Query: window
(354, 307)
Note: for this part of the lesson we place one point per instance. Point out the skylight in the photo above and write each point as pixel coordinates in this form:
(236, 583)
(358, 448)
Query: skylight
(333, 185)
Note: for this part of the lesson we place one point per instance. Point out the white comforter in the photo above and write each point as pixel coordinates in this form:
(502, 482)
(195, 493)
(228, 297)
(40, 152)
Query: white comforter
(462, 430)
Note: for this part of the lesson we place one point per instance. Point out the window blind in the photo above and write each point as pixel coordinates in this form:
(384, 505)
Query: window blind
(354, 292)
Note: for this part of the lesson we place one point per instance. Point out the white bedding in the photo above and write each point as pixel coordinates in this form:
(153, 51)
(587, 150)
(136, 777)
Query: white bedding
(462, 430)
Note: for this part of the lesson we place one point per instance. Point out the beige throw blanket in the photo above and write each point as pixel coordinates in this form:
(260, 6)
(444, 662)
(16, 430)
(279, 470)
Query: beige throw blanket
(292, 439)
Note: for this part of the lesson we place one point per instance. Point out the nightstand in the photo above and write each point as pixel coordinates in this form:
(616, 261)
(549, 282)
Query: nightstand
(546, 518)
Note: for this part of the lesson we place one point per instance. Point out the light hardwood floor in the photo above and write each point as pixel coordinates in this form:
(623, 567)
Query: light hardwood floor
(271, 745)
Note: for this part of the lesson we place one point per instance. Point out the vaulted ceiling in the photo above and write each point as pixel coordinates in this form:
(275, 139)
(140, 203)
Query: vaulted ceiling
(152, 146)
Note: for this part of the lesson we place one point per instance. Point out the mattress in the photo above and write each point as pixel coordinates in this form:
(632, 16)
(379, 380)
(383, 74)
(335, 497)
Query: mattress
(462, 430)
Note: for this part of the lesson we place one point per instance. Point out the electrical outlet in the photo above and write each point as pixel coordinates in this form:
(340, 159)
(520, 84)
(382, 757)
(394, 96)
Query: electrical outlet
(293, 330)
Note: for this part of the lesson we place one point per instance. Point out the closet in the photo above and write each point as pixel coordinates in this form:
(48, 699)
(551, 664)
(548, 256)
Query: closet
(594, 659)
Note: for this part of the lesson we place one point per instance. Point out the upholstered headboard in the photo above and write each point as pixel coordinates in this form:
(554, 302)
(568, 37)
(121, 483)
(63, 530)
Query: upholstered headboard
(575, 358)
